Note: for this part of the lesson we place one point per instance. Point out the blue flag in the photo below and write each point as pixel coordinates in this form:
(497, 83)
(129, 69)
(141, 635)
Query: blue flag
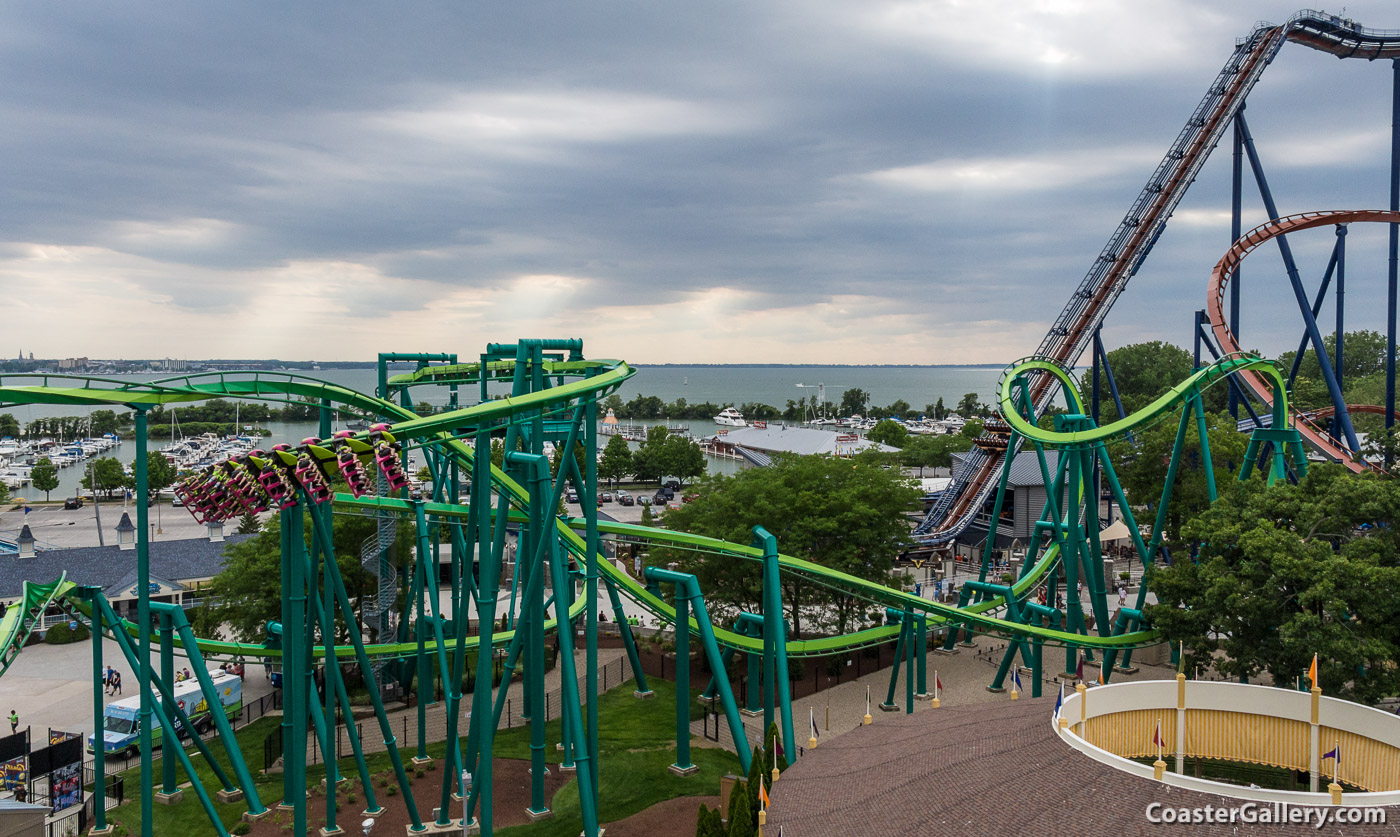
(26, 510)
(1060, 701)
(1016, 678)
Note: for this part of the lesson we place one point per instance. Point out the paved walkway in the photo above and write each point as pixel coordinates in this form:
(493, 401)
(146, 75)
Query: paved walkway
(965, 676)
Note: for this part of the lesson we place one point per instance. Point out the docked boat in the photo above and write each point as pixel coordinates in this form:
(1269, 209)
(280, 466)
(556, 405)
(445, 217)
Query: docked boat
(730, 417)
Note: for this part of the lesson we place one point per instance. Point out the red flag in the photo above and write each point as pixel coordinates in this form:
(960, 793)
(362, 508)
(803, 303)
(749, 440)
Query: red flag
(938, 682)
(1079, 671)
(1157, 736)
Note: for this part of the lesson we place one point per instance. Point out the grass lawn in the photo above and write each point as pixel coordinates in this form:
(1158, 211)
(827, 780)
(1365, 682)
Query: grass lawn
(636, 742)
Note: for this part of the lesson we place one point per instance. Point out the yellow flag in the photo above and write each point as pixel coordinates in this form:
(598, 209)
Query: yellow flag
(1312, 671)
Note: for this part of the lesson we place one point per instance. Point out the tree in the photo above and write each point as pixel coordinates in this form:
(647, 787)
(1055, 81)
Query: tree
(681, 458)
(1144, 371)
(755, 781)
(249, 585)
(933, 451)
(110, 476)
(1288, 571)
(45, 476)
(647, 461)
(104, 422)
(937, 410)
(854, 402)
(969, 406)
(248, 524)
(647, 518)
(9, 425)
(887, 432)
(1142, 465)
(617, 460)
(160, 472)
(845, 515)
(741, 814)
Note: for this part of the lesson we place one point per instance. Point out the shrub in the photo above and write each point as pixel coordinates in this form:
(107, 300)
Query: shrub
(61, 634)
(241, 828)
(797, 669)
(392, 790)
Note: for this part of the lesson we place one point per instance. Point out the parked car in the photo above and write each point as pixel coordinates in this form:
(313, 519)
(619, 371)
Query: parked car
(626, 500)
(674, 485)
(644, 500)
(659, 498)
(667, 492)
(571, 496)
(607, 497)
(73, 503)
(687, 498)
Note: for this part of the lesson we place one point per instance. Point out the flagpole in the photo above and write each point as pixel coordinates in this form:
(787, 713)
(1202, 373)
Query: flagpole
(867, 719)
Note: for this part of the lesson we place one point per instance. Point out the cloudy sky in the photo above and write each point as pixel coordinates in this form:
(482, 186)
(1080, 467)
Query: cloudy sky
(813, 181)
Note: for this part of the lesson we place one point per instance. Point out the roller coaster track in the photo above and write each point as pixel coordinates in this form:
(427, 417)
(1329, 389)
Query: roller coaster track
(21, 617)
(1314, 433)
(1143, 225)
(434, 430)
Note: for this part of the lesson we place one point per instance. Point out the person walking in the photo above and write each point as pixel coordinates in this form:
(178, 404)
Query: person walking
(14, 722)
(116, 682)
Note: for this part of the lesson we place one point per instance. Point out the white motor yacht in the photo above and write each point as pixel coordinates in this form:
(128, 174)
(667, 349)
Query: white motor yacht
(730, 417)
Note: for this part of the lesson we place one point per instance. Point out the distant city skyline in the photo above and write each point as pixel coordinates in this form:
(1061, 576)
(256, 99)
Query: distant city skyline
(815, 182)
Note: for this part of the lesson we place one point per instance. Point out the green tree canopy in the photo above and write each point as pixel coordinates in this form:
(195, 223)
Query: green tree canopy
(890, 433)
(1143, 372)
(617, 459)
(933, 451)
(1142, 463)
(160, 472)
(250, 585)
(854, 401)
(45, 476)
(1289, 571)
(9, 425)
(841, 514)
(109, 474)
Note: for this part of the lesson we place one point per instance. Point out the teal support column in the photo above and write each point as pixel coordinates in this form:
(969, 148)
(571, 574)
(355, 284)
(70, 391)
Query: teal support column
(133, 659)
(332, 678)
(99, 752)
(294, 659)
(481, 735)
(168, 784)
(889, 705)
(909, 664)
(921, 653)
(219, 719)
(773, 621)
(683, 764)
(319, 615)
(688, 588)
(590, 584)
(424, 675)
(143, 620)
(285, 544)
(323, 533)
(629, 642)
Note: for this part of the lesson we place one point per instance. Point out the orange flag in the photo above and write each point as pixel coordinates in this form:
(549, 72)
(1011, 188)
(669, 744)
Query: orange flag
(1312, 671)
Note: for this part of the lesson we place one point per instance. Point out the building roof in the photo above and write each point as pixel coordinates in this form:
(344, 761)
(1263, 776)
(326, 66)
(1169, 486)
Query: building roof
(781, 438)
(1025, 469)
(173, 561)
